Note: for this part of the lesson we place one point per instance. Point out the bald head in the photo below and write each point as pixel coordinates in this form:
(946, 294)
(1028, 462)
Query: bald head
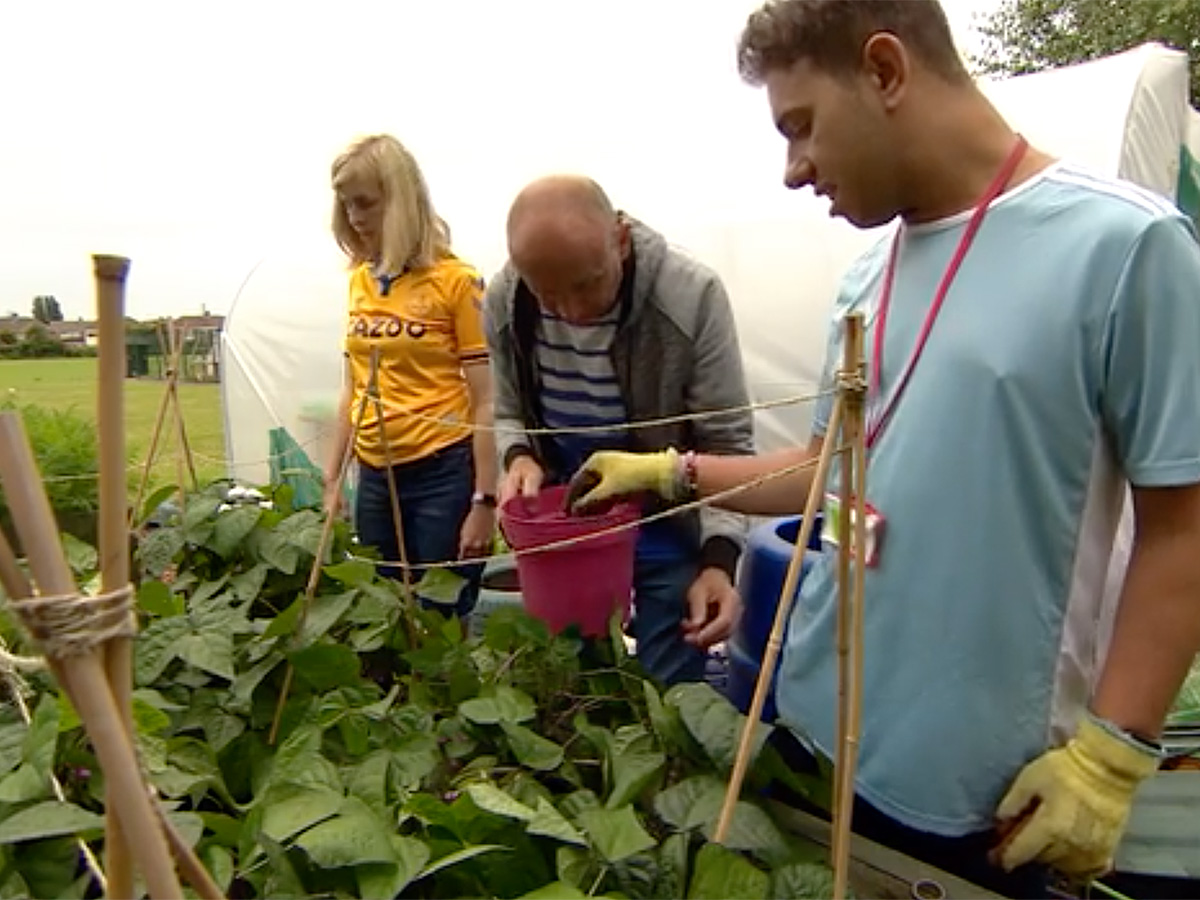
(568, 244)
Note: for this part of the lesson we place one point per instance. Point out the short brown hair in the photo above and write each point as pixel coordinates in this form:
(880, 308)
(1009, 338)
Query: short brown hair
(830, 34)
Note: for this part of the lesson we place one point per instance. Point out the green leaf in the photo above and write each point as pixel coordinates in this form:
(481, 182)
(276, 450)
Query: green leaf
(242, 689)
(352, 573)
(325, 612)
(156, 598)
(753, 829)
(354, 836)
(633, 769)
(722, 874)
(68, 719)
(210, 649)
(803, 881)
(25, 784)
(549, 822)
(289, 809)
(188, 825)
(491, 799)
(326, 666)
(616, 833)
(197, 518)
(219, 862)
(414, 757)
(532, 749)
(556, 890)
(231, 529)
(148, 719)
(156, 499)
(302, 530)
(499, 704)
(714, 722)
(157, 647)
(453, 859)
(272, 548)
(692, 803)
(440, 586)
(286, 622)
(389, 879)
(48, 819)
(81, 557)
(42, 737)
(246, 586)
(671, 880)
(48, 868)
(157, 550)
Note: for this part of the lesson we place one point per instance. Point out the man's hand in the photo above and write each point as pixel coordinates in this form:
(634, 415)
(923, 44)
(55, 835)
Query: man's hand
(713, 609)
(523, 479)
(478, 530)
(1076, 800)
(609, 474)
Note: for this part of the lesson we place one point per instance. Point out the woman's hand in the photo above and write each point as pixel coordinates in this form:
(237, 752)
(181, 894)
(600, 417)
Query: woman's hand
(478, 532)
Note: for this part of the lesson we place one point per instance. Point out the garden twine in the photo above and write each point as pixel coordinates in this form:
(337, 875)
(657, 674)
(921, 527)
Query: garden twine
(74, 625)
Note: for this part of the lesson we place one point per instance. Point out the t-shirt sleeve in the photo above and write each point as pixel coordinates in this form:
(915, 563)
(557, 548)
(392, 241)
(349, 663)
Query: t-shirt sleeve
(468, 317)
(1151, 394)
(825, 391)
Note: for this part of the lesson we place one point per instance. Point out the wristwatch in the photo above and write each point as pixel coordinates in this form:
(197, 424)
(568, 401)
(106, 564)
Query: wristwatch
(481, 499)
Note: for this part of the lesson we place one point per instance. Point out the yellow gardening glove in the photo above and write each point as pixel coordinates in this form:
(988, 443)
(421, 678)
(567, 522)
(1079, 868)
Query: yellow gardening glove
(610, 474)
(1080, 796)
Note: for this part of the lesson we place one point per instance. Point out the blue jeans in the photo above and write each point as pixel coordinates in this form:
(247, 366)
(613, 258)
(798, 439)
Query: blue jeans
(435, 497)
(660, 601)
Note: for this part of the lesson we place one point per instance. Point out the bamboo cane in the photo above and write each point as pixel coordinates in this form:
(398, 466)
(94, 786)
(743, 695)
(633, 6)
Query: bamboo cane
(782, 613)
(184, 447)
(12, 579)
(314, 575)
(110, 273)
(394, 496)
(177, 417)
(851, 564)
(83, 676)
(159, 420)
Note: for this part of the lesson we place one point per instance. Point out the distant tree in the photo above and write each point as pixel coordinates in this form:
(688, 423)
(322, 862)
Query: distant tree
(38, 342)
(46, 309)
(1023, 36)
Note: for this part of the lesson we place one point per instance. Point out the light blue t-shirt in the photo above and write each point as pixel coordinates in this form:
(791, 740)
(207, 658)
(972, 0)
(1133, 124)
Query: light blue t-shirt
(1065, 361)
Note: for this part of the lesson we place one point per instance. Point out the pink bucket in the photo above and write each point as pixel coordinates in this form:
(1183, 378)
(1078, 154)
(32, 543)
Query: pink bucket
(581, 584)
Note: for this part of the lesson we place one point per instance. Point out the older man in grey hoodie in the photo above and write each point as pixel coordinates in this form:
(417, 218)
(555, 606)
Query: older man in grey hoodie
(596, 321)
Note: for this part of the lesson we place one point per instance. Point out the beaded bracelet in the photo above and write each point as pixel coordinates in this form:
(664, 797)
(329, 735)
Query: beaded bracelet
(691, 480)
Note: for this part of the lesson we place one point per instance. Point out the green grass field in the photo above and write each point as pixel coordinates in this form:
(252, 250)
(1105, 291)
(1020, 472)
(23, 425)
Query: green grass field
(61, 383)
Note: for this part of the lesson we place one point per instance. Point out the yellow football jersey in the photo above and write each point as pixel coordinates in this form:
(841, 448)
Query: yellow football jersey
(426, 325)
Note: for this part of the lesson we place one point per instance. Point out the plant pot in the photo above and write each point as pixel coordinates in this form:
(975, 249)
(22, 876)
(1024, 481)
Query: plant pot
(500, 587)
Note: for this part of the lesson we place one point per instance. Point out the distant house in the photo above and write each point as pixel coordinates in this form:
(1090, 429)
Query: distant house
(80, 333)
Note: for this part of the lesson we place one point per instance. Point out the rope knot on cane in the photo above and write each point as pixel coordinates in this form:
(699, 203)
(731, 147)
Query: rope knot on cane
(74, 625)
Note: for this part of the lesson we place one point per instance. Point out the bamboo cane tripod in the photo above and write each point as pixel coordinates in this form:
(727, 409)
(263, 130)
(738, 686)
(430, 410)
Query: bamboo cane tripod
(370, 396)
(172, 344)
(845, 430)
(87, 641)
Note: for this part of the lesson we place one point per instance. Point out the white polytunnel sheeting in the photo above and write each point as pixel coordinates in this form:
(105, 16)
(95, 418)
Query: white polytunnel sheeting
(780, 255)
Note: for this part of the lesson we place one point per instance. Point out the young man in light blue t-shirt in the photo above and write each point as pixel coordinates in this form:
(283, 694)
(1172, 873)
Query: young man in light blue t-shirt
(1060, 364)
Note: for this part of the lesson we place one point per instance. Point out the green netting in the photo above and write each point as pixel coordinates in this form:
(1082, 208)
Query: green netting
(290, 465)
(1188, 192)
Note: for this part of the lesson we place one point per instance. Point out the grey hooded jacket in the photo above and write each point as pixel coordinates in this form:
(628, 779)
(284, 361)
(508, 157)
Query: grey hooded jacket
(675, 352)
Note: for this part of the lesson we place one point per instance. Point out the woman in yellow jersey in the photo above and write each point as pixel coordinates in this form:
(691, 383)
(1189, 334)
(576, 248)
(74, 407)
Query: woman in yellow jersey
(417, 306)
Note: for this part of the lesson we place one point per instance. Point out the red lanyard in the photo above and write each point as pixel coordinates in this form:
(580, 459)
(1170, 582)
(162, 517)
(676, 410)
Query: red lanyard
(995, 189)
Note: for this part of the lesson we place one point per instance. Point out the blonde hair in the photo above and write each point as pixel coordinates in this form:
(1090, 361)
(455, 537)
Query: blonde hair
(413, 234)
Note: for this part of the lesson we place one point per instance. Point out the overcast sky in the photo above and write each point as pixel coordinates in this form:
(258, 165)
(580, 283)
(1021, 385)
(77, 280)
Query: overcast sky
(198, 143)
